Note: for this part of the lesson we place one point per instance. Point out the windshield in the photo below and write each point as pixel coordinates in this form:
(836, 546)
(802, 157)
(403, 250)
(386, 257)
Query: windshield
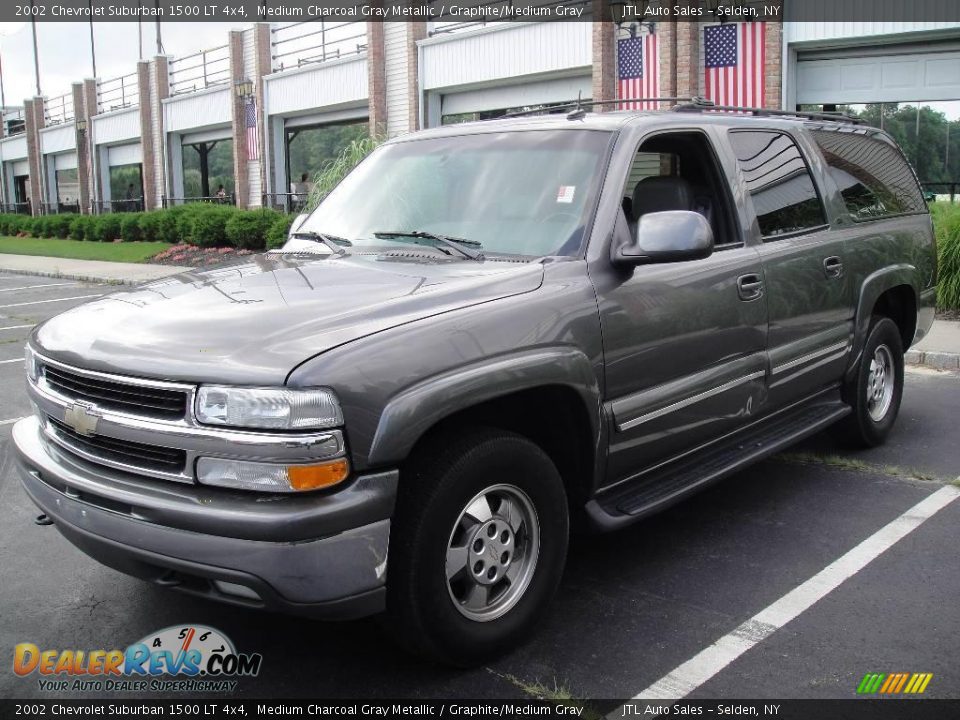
(516, 193)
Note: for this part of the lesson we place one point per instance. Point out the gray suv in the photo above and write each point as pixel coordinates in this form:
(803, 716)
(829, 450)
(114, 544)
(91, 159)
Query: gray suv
(486, 335)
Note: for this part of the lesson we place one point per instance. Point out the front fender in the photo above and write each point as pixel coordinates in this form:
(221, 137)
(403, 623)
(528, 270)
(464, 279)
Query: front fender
(413, 411)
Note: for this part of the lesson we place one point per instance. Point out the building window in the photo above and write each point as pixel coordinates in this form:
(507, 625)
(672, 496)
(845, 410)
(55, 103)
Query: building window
(68, 190)
(309, 151)
(208, 170)
(126, 187)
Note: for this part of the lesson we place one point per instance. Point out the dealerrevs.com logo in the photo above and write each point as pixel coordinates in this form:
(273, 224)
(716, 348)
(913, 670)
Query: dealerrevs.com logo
(190, 658)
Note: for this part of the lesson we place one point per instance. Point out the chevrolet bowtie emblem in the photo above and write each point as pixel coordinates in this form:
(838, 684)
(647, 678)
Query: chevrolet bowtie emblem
(81, 419)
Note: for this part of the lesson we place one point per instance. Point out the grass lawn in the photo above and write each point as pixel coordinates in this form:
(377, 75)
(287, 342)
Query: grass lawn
(82, 250)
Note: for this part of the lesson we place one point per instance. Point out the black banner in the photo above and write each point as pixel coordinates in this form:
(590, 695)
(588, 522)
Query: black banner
(856, 709)
(477, 10)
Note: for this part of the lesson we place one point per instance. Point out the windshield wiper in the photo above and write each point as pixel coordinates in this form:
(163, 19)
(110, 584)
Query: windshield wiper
(463, 246)
(336, 244)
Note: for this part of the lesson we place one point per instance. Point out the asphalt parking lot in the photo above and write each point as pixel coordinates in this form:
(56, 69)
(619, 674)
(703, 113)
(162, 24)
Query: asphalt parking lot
(633, 607)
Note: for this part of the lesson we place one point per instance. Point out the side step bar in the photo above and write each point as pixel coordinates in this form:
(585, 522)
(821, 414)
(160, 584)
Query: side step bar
(675, 480)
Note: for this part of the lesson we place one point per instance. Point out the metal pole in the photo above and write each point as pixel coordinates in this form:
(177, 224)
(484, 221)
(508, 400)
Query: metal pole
(36, 58)
(156, 4)
(140, 39)
(93, 52)
(946, 151)
(3, 97)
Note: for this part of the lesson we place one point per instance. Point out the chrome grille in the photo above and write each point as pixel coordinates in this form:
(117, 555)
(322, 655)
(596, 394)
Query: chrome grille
(127, 398)
(131, 454)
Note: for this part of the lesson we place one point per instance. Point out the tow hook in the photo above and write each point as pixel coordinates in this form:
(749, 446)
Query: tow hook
(43, 520)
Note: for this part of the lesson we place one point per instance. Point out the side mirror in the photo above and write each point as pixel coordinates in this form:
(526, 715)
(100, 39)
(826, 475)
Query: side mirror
(668, 236)
(297, 222)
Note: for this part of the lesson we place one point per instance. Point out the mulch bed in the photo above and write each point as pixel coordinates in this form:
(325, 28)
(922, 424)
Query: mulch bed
(193, 256)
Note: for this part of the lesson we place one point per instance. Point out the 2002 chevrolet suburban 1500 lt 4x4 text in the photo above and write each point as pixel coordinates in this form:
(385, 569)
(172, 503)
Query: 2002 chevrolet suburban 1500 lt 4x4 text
(485, 334)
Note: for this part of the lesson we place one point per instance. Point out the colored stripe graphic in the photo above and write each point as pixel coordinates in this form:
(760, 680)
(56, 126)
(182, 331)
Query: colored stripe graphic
(894, 683)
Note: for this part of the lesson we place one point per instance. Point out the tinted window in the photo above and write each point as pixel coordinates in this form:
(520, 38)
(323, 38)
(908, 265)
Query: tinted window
(783, 193)
(873, 176)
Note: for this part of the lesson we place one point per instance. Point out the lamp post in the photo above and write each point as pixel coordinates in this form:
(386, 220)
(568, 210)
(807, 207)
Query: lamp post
(620, 14)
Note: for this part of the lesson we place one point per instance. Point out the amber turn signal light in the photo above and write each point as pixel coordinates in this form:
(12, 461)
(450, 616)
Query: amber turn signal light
(314, 477)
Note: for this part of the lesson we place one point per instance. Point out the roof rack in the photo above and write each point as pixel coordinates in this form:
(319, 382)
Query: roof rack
(577, 105)
(699, 104)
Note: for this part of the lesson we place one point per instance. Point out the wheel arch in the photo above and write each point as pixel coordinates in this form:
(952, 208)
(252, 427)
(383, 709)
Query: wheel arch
(892, 292)
(549, 395)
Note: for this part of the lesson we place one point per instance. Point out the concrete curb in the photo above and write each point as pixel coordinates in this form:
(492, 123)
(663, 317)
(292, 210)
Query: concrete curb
(85, 278)
(933, 359)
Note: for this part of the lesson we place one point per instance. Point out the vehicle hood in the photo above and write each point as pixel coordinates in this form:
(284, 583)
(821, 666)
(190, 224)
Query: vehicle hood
(252, 322)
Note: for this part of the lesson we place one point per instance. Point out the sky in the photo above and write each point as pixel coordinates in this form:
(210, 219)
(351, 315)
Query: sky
(65, 51)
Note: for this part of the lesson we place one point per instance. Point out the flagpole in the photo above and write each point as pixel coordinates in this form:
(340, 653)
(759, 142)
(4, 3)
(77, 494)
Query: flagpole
(36, 57)
(93, 51)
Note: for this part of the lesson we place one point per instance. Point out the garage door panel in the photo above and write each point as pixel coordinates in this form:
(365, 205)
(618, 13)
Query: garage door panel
(896, 77)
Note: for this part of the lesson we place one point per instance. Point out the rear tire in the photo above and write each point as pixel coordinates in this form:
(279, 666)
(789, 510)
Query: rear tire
(876, 390)
(477, 547)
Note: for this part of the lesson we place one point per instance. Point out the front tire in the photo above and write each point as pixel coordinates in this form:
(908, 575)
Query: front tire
(877, 389)
(478, 545)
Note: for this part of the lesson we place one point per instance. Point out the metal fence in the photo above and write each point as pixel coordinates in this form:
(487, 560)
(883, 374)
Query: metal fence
(101, 207)
(59, 109)
(230, 199)
(285, 202)
(58, 208)
(21, 208)
(117, 93)
(951, 189)
(314, 41)
(200, 70)
(14, 122)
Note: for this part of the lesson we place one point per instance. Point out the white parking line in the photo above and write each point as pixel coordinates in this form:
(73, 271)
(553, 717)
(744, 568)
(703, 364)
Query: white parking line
(16, 327)
(11, 361)
(10, 421)
(687, 677)
(32, 287)
(40, 302)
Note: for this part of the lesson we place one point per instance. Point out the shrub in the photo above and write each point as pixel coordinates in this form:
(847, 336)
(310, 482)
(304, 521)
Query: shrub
(277, 234)
(106, 228)
(60, 224)
(150, 225)
(335, 170)
(24, 224)
(81, 227)
(946, 222)
(209, 226)
(7, 224)
(41, 227)
(248, 229)
(130, 230)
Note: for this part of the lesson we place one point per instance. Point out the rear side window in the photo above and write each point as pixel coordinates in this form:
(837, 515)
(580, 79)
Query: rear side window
(783, 193)
(873, 176)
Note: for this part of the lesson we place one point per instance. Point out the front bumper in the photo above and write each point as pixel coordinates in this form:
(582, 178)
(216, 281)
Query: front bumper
(321, 555)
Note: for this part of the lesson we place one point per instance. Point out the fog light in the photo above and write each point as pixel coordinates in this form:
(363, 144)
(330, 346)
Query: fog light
(271, 477)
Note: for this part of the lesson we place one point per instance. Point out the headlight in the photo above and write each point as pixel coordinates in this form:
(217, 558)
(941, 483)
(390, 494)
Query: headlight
(268, 408)
(271, 477)
(33, 365)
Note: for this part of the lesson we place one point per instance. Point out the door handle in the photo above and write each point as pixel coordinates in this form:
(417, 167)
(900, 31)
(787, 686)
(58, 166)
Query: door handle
(750, 287)
(833, 267)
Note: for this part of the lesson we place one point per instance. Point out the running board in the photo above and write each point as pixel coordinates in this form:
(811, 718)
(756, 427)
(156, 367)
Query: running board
(673, 481)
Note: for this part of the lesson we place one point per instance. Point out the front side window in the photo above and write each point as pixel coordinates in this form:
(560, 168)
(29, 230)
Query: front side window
(780, 185)
(523, 193)
(872, 175)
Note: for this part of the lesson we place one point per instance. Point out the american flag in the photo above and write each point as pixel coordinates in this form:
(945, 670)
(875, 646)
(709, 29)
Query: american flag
(638, 71)
(250, 121)
(733, 63)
